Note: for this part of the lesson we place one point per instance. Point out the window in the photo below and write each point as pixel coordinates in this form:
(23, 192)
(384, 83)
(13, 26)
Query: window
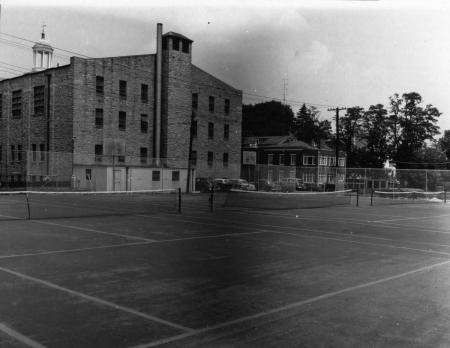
(292, 173)
(176, 44)
(322, 160)
(123, 89)
(194, 128)
(226, 131)
(270, 158)
(99, 84)
(13, 153)
(331, 161)
(38, 100)
(155, 175)
(98, 118)
(17, 104)
(194, 100)
(34, 151)
(122, 120)
(185, 46)
(144, 93)
(210, 158)
(42, 151)
(281, 159)
(98, 152)
(194, 158)
(211, 104)
(1, 105)
(309, 160)
(308, 178)
(121, 159)
(293, 160)
(143, 154)
(144, 123)
(227, 106)
(19, 152)
(175, 175)
(225, 159)
(88, 174)
(210, 130)
(341, 161)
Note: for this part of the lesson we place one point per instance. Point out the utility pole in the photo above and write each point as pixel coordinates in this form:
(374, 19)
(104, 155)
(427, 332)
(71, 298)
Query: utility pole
(337, 132)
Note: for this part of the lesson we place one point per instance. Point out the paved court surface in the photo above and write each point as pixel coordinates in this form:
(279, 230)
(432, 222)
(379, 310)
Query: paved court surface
(328, 277)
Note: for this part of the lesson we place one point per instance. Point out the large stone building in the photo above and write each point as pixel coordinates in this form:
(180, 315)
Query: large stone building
(96, 120)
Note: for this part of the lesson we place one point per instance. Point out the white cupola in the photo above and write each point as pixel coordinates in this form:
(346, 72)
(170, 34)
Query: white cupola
(42, 53)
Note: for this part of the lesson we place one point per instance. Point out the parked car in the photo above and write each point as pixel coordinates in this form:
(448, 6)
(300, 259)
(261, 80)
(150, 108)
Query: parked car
(265, 185)
(292, 184)
(203, 184)
(241, 184)
(222, 184)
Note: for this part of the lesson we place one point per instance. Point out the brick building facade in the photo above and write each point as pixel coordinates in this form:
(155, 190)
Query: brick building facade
(132, 111)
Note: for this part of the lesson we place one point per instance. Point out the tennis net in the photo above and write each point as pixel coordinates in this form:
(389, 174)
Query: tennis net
(289, 200)
(50, 205)
(407, 197)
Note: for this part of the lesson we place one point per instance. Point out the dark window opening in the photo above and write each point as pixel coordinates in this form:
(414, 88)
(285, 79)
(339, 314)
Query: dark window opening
(88, 174)
(164, 43)
(226, 131)
(194, 100)
(194, 128)
(122, 120)
(156, 175)
(185, 47)
(42, 151)
(123, 89)
(99, 84)
(98, 152)
(175, 44)
(38, 100)
(225, 159)
(17, 104)
(144, 123)
(99, 118)
(227, 106)
(175, 175)
(211, 130)
(143, 153)
(210, 158)
(144, 93)
(211, 104)
(194, 158)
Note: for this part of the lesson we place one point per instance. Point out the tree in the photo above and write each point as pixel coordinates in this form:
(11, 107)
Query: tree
(444, 143)
(266, 119)
(349, 130)
(417, 126)
(376, 130)
(308, 128)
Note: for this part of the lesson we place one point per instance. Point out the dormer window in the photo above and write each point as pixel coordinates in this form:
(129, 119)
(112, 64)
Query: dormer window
(175, 44)
(185, 45)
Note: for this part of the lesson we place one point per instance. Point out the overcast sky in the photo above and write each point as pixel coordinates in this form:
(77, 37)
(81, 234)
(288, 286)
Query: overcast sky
(343, 53)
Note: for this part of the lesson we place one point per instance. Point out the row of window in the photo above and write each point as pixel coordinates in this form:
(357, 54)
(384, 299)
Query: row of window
(226, 130)
(17, 154)
(99, 120)
(16, 102)
(210, 158)
(211, 104)
(156, 175)
(123, 88)
(308, 160)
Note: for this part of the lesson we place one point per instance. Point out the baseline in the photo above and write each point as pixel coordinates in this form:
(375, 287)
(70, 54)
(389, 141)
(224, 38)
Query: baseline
(19, 337)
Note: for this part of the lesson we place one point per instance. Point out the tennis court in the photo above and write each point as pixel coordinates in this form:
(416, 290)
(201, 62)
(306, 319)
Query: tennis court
(337, 276)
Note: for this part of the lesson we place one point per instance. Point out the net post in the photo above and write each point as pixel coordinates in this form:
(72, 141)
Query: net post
(371, 196)
(211, 199)
(28, 206)
(179, 200)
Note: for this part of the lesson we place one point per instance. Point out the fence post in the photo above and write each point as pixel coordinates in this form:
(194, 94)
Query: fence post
(357, 197)
(179, 200)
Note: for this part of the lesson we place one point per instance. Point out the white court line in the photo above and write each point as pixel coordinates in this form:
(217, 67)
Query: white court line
(291, 306)
(19, 337)
(95, 300)
(411, 218)
(2, 257)
(94, 231)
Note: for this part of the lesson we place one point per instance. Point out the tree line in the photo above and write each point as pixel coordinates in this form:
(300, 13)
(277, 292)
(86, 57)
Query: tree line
(403, 131)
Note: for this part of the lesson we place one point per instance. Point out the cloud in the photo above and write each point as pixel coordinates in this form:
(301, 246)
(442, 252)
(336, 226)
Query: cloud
(316, 57)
